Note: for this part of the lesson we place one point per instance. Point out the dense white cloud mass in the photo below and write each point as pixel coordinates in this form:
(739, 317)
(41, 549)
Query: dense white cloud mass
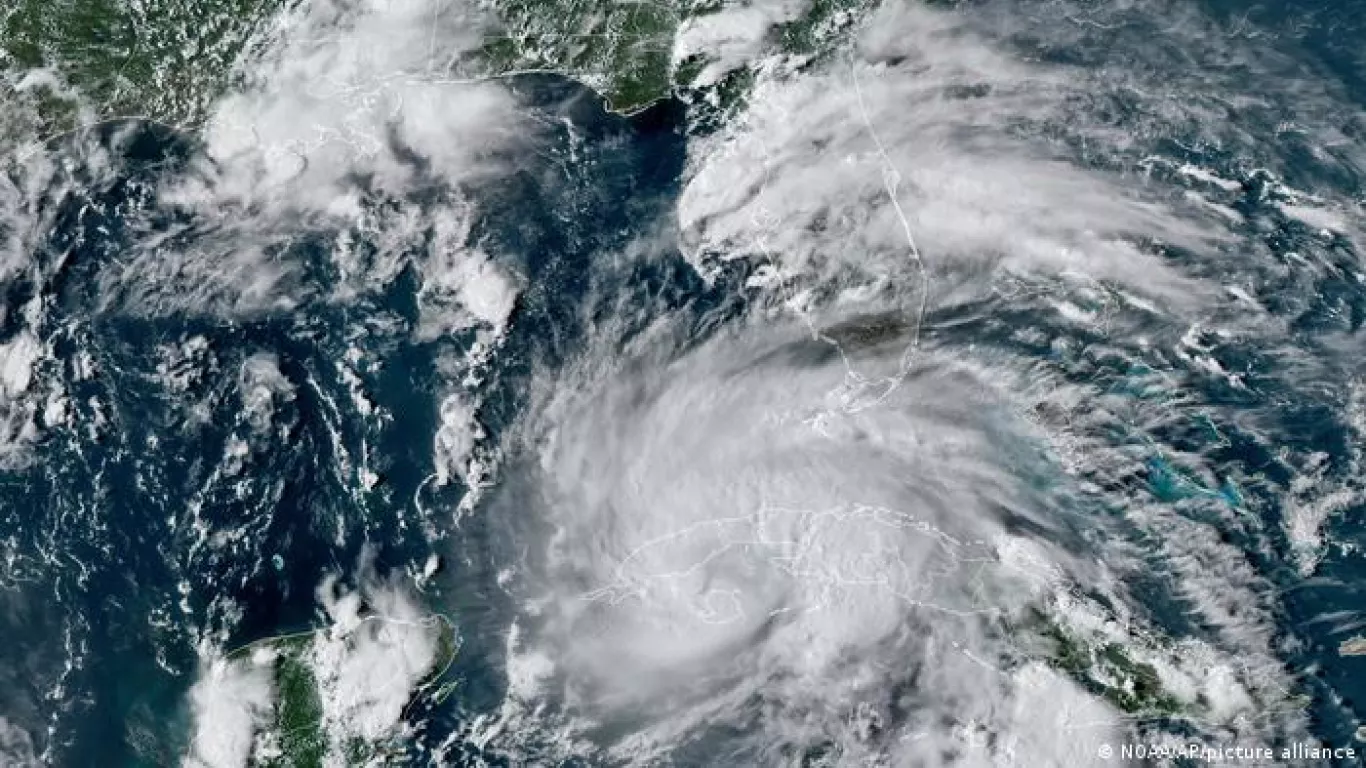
(345, 88)
(16, 748)
(735, 543)
(232, 701)
(931, 126)
(733, 36)
(363, 667)
(345, 146)
(831, 531)
(782, 544)
(367, 665)
(836, 532)
(920, 130)
(341, 119)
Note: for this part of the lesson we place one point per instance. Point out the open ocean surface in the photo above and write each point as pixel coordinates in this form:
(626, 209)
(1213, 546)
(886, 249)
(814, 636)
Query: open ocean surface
(200, 472)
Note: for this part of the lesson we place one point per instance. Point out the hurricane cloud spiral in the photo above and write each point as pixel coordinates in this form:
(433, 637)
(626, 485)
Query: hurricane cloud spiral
(981, 387)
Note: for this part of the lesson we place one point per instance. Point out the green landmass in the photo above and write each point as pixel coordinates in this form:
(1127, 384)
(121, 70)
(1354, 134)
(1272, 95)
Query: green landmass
(714, 105)
(297, 738)
(299, 708)
(169, 60)
(166, 60)
(823, 22)
(1107, 670)
(623, 50)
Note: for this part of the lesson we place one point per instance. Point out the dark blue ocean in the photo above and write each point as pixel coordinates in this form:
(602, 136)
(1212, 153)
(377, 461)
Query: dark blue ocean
(107, 584)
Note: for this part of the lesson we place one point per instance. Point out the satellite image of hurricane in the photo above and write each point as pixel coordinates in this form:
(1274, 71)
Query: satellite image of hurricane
(685, 383)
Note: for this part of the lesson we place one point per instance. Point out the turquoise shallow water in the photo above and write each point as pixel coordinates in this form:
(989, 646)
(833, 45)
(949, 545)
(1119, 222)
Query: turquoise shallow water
(109, 584)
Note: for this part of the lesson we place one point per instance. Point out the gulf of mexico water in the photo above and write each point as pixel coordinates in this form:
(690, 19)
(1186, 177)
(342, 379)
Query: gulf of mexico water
(196, 477)
(191, 475)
